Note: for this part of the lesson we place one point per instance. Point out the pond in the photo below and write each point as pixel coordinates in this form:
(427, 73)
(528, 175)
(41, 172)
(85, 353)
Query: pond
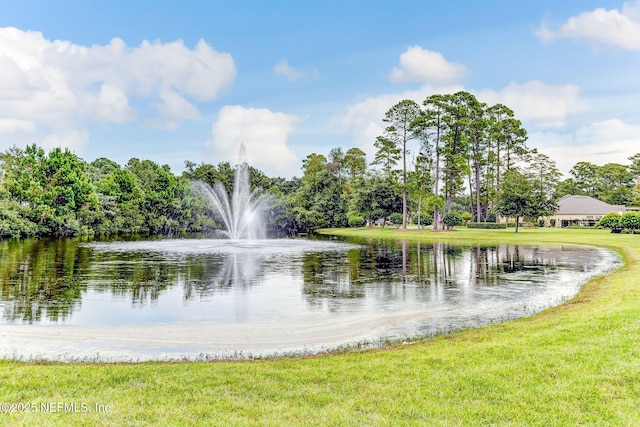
(198, 298)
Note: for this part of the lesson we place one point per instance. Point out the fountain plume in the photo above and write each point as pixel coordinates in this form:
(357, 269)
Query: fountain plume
(242, 215)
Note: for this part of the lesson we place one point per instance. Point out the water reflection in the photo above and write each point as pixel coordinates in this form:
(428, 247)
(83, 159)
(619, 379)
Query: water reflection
(66, 281)
(400, 271)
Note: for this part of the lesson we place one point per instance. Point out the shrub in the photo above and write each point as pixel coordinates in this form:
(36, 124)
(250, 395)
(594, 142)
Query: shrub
(395, 218)
(541, 222)
(631, 221)
(488, 225)
(466, 217)
(552, 222)
(612, 220)
(425, 219)
(452, 219)
(356, 221)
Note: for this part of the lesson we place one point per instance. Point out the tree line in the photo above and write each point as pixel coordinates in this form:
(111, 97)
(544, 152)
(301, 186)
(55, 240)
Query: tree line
(449, 159)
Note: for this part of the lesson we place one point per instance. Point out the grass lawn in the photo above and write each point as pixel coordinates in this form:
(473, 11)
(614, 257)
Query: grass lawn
(577, 364)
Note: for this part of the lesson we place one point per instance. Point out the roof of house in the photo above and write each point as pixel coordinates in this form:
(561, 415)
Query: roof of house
(585, 205)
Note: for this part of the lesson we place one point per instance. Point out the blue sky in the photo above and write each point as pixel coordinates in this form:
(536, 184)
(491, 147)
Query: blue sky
(191, 80)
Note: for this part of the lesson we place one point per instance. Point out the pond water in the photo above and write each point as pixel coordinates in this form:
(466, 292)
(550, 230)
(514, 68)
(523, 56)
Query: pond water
(205, 298)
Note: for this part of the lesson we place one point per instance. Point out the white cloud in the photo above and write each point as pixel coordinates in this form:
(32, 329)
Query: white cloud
(16, 125)
(600, 28)
(173, 110)
(264, 133)
(363, 120)
(418, 65)
(538, 103)
(608, 141)
(73, 139)
(52, 87)
(109, 105)
(283, 68)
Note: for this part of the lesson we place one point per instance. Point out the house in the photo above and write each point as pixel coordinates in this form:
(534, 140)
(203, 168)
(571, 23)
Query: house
(582, 210)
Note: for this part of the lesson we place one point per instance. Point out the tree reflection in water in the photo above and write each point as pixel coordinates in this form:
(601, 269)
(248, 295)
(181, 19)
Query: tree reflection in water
(46, 280)
(431, 268)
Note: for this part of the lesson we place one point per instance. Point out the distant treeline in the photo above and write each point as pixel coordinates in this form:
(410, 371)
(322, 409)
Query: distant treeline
(60, 194)
(449, 159)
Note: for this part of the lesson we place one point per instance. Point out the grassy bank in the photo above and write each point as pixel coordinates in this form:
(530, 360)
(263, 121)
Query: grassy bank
(575, 364)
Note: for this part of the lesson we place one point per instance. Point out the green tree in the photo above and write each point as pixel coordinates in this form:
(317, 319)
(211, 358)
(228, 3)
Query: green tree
(355, 163)
(452, 219)
(613, 221)
(634, 167)
(400, 118)
(164, 207)
(455, 145)
(433, 117)
(375, 199)
(420, 182)
(477, 134)
(54, 188)
(635, 201)
(585, 176)
(516, 196)
(122, 202)
(543, 175)
(387, 156)
(615, 184)
(566, 187)
(631, 221)
(507, 140)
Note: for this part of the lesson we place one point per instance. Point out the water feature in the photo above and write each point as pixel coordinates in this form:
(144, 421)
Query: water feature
(242, 216)
(175, 298)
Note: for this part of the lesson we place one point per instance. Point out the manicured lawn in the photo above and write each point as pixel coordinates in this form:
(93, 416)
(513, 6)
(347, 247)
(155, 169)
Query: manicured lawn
(577, 364)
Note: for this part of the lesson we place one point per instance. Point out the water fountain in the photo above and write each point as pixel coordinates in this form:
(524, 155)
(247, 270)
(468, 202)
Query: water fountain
(242, 216)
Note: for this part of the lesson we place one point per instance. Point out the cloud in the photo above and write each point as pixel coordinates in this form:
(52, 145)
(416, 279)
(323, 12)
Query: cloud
(600, 28)
(418, 65)
(538, 104)
(73, 139)
(16, 125)
(283, 68)
(109, 105)
(50, 87)
(264, 133)
(363, 120)
(607, 141)
(174, 109)
(541, 104)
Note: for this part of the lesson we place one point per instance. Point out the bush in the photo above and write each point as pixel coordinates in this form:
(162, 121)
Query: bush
(356, 221)
(487, 225)
(452, 219)
(541, 222)
(631, 221)
(425, 219)
(395, 218)
(552, 222)
(466, 217)
(612, 220)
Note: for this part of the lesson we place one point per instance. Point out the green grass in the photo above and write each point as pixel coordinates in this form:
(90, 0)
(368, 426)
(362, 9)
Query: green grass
(576, 364)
